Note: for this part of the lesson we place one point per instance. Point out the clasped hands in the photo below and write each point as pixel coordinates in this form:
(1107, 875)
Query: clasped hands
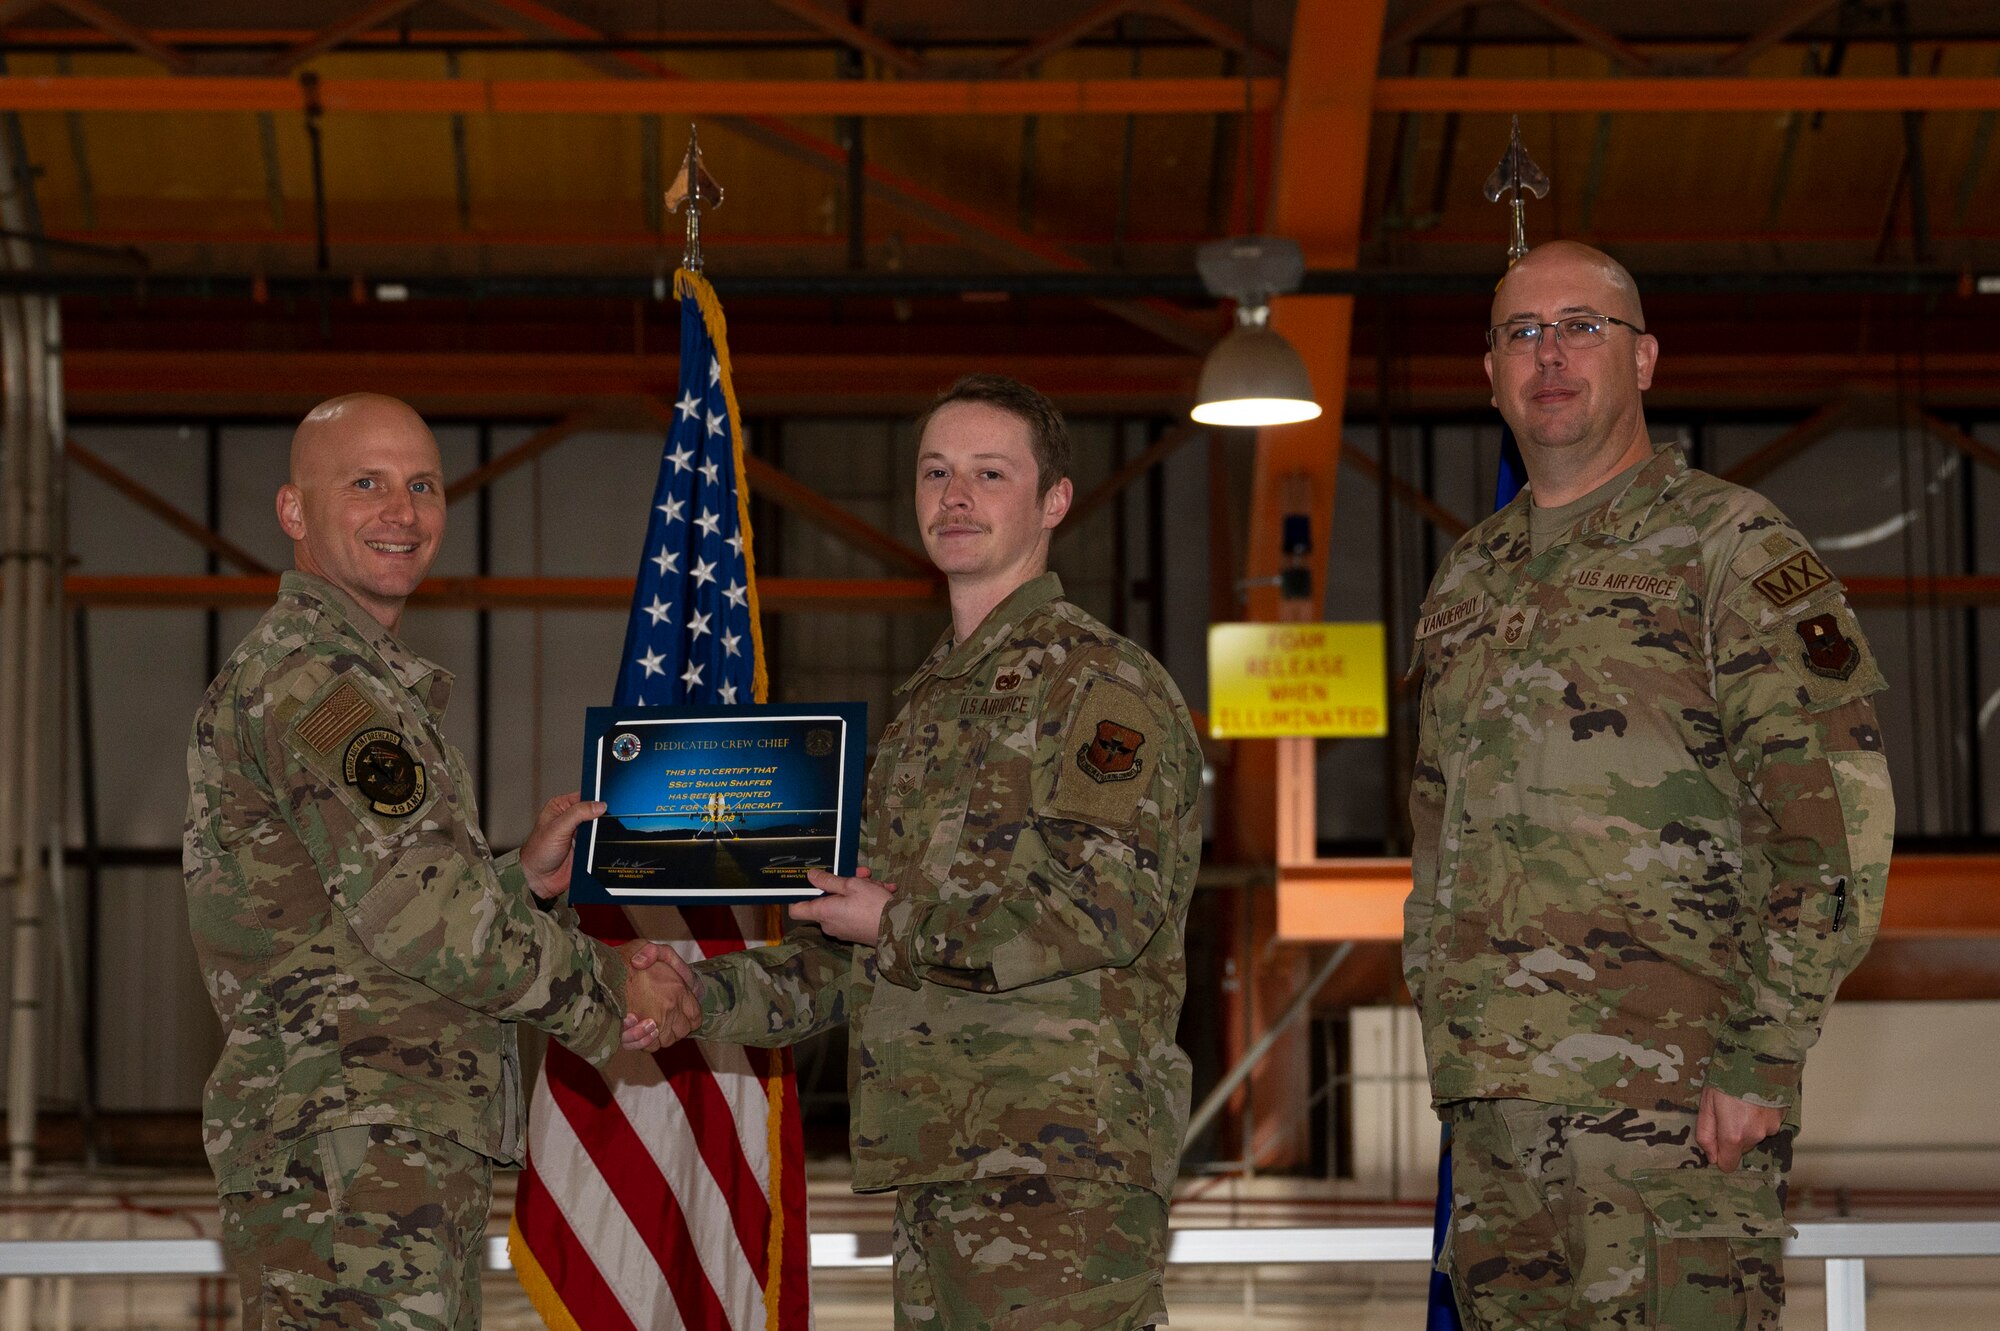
(662, 996)
(851, 910)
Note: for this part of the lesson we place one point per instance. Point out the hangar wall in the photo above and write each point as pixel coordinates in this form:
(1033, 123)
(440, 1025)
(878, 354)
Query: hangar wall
(580, 510)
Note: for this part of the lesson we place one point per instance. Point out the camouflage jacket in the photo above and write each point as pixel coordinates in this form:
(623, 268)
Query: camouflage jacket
(1034, 802)
(364, 950)
(1652, 813)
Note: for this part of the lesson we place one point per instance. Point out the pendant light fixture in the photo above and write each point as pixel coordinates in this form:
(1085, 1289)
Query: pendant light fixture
(1253, 376)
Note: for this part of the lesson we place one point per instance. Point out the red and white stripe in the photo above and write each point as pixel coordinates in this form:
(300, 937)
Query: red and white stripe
(646, 1202)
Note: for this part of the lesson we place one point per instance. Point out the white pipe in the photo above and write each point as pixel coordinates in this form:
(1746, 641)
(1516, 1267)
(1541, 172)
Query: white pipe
(1846, 1294)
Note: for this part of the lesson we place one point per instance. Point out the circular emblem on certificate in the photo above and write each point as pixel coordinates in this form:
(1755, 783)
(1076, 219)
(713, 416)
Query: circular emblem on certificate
(626, 746)
(819, 743)
(382, 769)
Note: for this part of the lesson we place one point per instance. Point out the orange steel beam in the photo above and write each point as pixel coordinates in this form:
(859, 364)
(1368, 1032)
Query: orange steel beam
(850, 34)
(319, 43)
(1701, 379)
(527, 17)
(1586, 32)
(1319, 192)
(143, 592)
(1950, 435)
(911, 197)
(1335, 900)
(1776, 31)
(142, 495)
(1411, 497)
(1828, 420)
(1684, 95)
(520, 454)
(1321, 183)
(791, 494)
(1929, 896)
(285, 383)
(795, 495)
(1952, 589)
(1191, 19)
(1061, 39)
(1114, 485)
(690, 97)
(1421, 20)
(125, 32)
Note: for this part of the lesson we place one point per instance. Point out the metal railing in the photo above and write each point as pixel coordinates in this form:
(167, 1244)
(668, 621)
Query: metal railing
(1844, 1245)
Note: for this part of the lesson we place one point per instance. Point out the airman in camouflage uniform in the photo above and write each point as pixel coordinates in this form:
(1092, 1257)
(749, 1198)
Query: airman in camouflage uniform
(1653, 823)
(1012, 1002)
(366, 952)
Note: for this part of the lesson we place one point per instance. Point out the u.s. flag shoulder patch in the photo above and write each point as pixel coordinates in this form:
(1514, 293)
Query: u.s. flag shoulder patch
(339, 715)
(1792, 579)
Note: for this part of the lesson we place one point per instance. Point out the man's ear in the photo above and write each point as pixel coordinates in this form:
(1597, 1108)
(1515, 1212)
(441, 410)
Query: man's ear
(292, 511)
(1494, 398)
(1645, 355)
(1055, 504)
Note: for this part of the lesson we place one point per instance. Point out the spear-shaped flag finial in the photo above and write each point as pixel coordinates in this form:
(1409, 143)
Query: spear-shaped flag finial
(696, 189)
(1517, 172)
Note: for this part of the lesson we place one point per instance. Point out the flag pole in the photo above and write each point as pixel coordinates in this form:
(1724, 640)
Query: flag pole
(1515, 175)
(694, 189)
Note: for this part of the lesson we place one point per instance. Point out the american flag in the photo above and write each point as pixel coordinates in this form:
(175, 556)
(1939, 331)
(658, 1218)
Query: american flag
(668, 1190)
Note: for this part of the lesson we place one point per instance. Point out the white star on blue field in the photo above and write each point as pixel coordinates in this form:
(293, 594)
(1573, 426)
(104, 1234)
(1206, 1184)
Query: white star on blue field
(688, 640)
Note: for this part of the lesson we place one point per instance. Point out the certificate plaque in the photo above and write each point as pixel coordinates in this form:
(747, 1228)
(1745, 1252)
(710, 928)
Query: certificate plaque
(718, 805)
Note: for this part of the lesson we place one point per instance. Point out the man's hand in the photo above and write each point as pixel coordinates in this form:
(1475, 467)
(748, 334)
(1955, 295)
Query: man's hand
(662, 996)
(1725, 1127)
(851, 910)
(546, 854)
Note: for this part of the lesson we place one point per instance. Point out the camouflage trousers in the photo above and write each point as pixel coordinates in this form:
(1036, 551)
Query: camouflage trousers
(1032, 1251)
(368, 1227)
(1585, 1218)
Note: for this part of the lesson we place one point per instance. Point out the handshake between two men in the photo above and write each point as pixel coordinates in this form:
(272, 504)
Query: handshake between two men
(662, 992)
(850, 910)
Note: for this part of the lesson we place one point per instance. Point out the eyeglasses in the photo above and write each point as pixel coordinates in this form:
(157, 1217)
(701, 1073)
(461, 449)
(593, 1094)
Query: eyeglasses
(1519, 336)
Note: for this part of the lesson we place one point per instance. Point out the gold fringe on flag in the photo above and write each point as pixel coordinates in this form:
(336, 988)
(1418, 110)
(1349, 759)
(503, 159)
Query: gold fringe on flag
(540, 1289)
(687, 283)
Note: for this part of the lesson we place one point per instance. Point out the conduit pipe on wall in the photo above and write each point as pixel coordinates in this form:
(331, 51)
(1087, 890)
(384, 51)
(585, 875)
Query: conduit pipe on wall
(31, 546)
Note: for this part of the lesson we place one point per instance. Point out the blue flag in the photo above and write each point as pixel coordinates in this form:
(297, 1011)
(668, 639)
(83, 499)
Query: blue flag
(693, 636)
(1443, 1311)
(1513, 471)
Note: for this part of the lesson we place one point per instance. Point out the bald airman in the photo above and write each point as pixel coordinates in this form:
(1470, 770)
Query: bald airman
(367, 953)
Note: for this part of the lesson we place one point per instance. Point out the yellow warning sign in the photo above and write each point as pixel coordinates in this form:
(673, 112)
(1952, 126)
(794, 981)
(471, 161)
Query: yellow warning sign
(1272, 681)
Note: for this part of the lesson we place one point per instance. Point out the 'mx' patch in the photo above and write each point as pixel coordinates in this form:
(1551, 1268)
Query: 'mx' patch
(380, 766)
(1112, 753)
(1792, 579)
(1829, 652)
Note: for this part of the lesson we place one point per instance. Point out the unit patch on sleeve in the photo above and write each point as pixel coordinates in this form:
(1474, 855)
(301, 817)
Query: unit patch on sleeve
(380, 766)
(1829, 652)
(1112, 753)
(1110, 756)
(1792, 579)
(344, 711)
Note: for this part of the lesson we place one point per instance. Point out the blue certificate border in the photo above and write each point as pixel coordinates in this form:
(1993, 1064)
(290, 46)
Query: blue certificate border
(852, 721)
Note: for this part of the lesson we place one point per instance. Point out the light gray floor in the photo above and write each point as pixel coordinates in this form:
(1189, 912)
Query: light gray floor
(1908, 1295)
